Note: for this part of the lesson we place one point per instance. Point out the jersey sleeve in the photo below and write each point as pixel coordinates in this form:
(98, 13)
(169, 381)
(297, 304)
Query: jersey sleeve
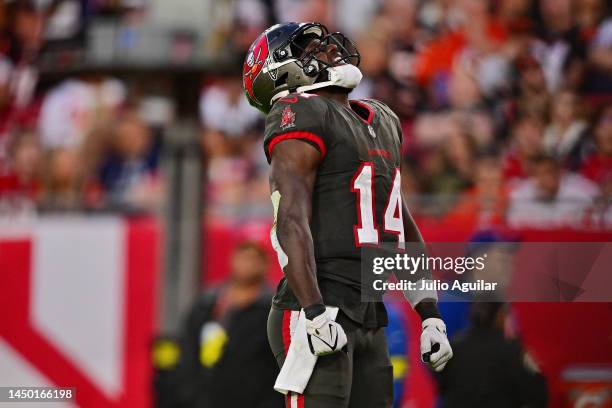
(296, 117)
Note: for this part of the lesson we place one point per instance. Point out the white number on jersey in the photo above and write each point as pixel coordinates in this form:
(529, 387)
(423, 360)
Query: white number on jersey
(366, 230)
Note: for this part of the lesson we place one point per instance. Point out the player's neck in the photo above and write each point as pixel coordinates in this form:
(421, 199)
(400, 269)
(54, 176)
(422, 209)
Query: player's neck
(335, 93)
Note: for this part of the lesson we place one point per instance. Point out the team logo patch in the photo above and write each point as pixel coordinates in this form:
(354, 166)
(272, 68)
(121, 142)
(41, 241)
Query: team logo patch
(254, 63)
(287, 118)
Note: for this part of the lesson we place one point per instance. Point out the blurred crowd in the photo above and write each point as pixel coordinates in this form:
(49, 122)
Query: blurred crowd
(82, 144)
(506, 109)
(505, 105)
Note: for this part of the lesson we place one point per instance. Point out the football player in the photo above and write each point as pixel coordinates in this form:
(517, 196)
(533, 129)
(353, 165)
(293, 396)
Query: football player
(335, 183)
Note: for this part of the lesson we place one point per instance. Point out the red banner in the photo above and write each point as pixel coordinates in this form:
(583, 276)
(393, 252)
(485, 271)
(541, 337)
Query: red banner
(81, 321)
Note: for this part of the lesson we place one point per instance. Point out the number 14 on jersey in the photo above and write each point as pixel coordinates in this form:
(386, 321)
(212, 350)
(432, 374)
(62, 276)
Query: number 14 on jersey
(367, 230)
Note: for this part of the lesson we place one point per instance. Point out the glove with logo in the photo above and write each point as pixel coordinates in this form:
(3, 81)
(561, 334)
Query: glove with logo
(435, 348)
(325, 336)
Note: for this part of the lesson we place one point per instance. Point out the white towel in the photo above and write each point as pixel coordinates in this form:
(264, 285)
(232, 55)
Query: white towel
(299, 362)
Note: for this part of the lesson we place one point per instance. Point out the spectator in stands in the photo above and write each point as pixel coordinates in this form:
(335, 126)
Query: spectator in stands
(464, 91)
(533, 96)
(24, 31)
(601, 46)
(599, 34)
(20, 183)
(6, 111)
(17, 109)
(559, 47)
(224, 109)
(488, 369)
(598, 165)
(514, 14)
(23, 181)
(552, 198)
(6, 73)
(129, 176)
(64, 184)
(220, 368)
(22, 44)
(589, 14)
(526, 144)
(565, 136)
(77, 107)
(484, 204)
(230, 169)
(475, 30)
(449, 169)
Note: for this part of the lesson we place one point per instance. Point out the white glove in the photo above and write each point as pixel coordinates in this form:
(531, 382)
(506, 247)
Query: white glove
(325, 336)
(435, 348)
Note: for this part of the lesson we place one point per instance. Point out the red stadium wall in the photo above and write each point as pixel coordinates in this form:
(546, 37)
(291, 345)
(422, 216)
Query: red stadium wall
(77, 305)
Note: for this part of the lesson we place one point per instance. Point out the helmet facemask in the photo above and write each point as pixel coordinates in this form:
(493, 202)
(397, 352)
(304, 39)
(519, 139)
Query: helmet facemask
(305, 48)
(313, 66)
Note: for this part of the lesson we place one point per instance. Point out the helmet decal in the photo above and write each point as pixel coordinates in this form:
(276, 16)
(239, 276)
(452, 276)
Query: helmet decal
(273, 73)
(254, 63)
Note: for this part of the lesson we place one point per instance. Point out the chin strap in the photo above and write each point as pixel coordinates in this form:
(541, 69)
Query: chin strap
(345, 76)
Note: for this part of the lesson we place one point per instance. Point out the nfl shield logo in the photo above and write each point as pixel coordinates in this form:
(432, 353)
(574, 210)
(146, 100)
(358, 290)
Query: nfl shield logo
(371, 130)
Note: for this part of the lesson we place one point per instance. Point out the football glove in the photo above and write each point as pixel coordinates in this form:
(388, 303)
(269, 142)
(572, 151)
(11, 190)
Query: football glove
(435, 348)
(325, 336)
